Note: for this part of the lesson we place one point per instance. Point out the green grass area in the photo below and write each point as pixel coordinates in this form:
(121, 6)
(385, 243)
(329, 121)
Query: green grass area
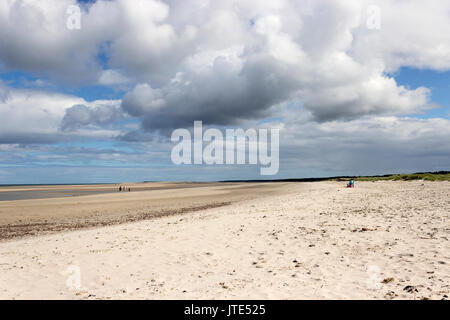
(428, 176)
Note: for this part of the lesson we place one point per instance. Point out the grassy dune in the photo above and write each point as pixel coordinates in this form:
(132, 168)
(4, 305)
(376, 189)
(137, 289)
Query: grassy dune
(428, 176)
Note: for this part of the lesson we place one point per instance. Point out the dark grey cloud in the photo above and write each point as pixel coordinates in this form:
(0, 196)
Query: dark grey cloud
(365, 146)
(80, 115)
(223, 96)
(29, 138)
(143, 136)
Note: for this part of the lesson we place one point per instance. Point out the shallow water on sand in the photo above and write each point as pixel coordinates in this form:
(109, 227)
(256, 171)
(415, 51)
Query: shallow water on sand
(45, 194)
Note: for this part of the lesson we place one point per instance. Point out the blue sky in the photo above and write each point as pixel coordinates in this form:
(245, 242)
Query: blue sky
(437, 81)
(99, 103)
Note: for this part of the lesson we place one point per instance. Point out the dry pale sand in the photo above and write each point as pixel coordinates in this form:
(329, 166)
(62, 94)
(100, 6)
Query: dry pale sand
(382, 240)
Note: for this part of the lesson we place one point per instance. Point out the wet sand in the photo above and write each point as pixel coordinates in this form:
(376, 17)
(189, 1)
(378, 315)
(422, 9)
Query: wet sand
(10, 193)
(381, 240)
(106, 206)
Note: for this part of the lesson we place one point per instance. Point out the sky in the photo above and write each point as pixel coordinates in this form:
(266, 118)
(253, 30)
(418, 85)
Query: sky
(354, 87)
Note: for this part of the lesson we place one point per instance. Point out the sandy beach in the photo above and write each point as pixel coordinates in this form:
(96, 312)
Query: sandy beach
(106, 206)
(319, 240)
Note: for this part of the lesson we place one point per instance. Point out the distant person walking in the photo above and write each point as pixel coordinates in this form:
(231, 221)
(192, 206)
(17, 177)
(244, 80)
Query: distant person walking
(120, 188)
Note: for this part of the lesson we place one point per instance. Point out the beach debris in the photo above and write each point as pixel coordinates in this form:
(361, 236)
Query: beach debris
(406, 255)
(257, 265)
(275, 234)
(364, 229)
(390, 295)
(387, 280)
(223, 285)
(410, 289)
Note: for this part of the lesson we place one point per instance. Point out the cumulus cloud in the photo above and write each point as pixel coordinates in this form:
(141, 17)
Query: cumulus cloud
(112, 77)
(28, 115)
(35, 38)
(377, 95)
(100, 113)
(33, 116)
(270, 56)
(410, 34)
(143, 99)
(229, 61)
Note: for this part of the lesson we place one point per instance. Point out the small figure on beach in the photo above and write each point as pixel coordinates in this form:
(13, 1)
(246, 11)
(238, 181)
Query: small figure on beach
(120, 188)
(351, 184)
(129, 189)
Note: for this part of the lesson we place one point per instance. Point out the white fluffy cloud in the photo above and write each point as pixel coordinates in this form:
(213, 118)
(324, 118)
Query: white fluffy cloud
(234, 55)
(412, 33)
(32, 116)
(315, 52)
(227, 63)
(35, 38)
